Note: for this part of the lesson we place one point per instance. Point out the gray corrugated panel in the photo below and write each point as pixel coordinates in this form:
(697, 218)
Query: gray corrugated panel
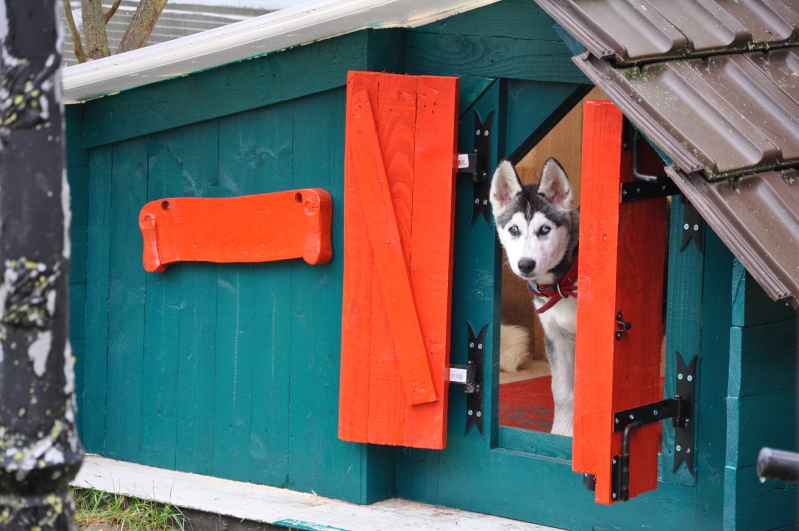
(726, 115)
(636, 31)
(758, 219)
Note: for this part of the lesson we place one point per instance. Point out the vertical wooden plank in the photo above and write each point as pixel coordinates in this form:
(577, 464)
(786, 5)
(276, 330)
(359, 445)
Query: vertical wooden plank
(362, 312)
(197, 346)
(622, 252)
(683, 313)
(162, 317)
(92, 409)
(432, 235)
(262, 142)
(234, 329)
(314, 351)
(126, 302)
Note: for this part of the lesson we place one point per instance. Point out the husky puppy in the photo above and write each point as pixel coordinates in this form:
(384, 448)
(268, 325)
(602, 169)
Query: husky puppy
(539, 230)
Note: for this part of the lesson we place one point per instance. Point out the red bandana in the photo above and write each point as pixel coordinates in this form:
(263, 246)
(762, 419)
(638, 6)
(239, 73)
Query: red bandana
(565, 288)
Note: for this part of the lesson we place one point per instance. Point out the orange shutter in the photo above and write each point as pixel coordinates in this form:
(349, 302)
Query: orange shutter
(398, 240)
(621, 271)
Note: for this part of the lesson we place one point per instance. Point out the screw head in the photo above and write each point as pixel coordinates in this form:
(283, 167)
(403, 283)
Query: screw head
(471, 344)
(632, 417)
(655, 412)
(485, 133)
(616, 420)
(679, 376)
(614, 495)
(479, 346)
(477, 132)
(690, 378)
(696, 227)
(686, 226)
(470, 412)
(687, 450)
(479, 414)
(476, 201)
(614, 460)
(678, 448)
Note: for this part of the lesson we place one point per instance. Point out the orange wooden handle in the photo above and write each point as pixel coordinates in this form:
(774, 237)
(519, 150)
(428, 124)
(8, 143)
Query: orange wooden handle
(252, 228)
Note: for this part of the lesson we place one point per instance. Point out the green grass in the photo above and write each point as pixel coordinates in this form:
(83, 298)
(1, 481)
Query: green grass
(95, 508)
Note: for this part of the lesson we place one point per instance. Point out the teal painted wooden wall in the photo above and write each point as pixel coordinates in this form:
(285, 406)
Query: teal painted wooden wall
(232, 370)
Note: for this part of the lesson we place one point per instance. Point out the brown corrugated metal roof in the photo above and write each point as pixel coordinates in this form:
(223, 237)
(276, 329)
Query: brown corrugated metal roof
(715, 85)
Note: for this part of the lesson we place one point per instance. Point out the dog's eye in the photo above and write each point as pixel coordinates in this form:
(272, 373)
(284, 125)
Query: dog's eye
(514, 231)
(544, 230)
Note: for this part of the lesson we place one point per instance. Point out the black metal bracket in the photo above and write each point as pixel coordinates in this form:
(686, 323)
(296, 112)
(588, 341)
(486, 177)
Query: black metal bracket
(640, 190)
(692, 224)
(621, 325)
(476, 164)
(679, 409)
(471, 377)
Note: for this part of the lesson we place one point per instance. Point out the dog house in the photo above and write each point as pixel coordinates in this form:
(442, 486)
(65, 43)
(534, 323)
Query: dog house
(264, 371)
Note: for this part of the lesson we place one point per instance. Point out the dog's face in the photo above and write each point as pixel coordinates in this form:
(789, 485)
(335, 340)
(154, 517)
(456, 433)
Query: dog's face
(533, 221)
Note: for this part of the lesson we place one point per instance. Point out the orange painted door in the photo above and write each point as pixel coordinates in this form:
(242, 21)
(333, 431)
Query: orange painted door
(398, 241)
(622, 249)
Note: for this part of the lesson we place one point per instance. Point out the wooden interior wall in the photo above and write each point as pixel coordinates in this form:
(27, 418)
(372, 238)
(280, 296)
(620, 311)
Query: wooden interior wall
(564, 143)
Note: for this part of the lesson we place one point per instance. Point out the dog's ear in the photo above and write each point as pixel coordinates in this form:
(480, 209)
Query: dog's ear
(555, 186)
(504, 186)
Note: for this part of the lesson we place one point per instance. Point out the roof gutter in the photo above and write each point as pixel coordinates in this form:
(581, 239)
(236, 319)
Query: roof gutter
(313, 21)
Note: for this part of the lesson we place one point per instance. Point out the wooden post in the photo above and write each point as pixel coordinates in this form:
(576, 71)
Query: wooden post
(39, 448)
(622, 248)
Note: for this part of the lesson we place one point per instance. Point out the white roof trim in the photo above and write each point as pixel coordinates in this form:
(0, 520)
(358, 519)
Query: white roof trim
(303, 24)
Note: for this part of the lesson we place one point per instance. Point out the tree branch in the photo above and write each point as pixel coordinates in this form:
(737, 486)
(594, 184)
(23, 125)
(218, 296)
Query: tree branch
(73, 31)
(112, 10)
(94, 29)
(142, 25)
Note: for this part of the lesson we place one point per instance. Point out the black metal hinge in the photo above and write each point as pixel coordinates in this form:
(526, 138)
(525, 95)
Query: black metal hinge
(476, 164)
(471, 377)
(679, 409)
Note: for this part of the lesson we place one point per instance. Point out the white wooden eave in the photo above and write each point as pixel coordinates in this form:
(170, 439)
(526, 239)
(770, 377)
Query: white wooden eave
(306, 23)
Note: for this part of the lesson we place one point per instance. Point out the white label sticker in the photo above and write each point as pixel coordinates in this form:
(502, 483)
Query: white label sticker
(463, 161)
(457, 375)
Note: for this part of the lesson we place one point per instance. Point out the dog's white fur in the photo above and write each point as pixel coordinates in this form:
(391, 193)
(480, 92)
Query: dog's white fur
(538, 228)
(514, 347)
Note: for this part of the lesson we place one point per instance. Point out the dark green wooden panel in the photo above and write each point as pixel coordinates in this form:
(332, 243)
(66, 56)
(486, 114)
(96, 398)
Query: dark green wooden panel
(535, 443)
(546, 491)
(125, 302)
(751, 305)
(162, 318)
(753, 505)
(767, 419)
(471, 90)
(683, 328)
(78, 178)
(515, 19)
(763, 358)
(711, 391)
(237, 87)
(197, 152)
(73, 127)
(316, 316)
(533, 103)
(256, 157)
(92, 410)
(452, 55)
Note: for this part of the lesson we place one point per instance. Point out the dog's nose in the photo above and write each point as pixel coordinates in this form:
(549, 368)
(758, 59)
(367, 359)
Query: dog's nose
(526, 266)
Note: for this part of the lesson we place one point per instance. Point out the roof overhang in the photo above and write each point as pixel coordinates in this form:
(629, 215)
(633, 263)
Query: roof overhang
(303, 24)
(716, 88)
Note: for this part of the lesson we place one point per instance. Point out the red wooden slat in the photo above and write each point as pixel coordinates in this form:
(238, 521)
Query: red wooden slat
(418, 173)
(381, 225)
(622, 249)
(252, 228)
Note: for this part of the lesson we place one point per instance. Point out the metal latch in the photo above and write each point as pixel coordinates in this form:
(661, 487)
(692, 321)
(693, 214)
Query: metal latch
(476, 164)
(679, 409)
(471, 377)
